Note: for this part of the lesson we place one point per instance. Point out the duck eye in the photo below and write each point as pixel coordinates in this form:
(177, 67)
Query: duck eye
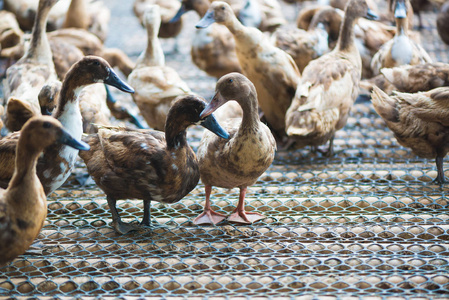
(222, 8)
(231, 80)
(97, 63)
(46, 125)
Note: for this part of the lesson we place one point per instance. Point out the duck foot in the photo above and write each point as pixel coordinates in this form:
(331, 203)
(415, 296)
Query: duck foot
(245, 217)
(208, 216)
(123, 228)
(36, 248)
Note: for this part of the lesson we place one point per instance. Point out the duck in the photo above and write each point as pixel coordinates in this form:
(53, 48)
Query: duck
(48, 96)
(168, 9)
(23, 205)
(442, 22)
(272, 71)
(213, 48)
(304, 46)
(418, 121)
(401, 49)
(150, 165)
(57, 161)
(240, 160)
(328, 88)
(156, 85)
(417, 78)
(25, 78)
(10, 32)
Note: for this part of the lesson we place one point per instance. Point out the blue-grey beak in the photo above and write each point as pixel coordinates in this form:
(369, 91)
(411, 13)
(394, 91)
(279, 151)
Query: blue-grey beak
(207, 20)
(182, 10)
(371, 15)
(400, 11)
(68, 140)
(115, 81)
(211, 123)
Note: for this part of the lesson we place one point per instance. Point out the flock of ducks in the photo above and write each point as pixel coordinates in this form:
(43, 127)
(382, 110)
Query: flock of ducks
(291, 87)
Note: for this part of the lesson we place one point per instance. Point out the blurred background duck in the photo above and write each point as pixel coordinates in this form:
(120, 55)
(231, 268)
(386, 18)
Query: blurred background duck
(156, 85)
(422, 77)
(147, 164)
(213, 48)
(272, 71)
(328, 87)
(443, 22)
(26, 77)
(401, 49)
(240, 160)
(23, 205)
(419, 121)
(56, 164)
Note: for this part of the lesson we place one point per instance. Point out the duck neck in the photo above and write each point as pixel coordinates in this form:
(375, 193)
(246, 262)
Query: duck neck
(76, 16)
(401, 26)
(234, 25)
(346, 38)
(39, 48)
(175, 139)
(250, 113)
(153, 55)
(26, 159)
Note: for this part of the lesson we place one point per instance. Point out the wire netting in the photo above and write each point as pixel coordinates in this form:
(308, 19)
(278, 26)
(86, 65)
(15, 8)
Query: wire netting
(367, 222)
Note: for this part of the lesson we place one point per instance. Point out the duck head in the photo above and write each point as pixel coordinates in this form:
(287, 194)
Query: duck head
(97, 70)
(359, 8)
(51, 131)
(233, 86)
(186, 111)
(219, 12)
(400, 10)
(152, 18)
(47, 97)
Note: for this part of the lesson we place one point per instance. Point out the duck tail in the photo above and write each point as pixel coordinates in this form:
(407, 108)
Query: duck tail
(384, 105)
(397, 76)
(312, 123)
(17, 113)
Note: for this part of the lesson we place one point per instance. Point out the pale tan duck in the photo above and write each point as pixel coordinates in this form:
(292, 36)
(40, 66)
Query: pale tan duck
(23, 205)
(401, 50)
(26, 77)
(56, 164)
(156, 85)
(148, 164)
(416, 78)
(213, 48)
(240, 160)
(272, 71)
(328, 88)
(419, 121)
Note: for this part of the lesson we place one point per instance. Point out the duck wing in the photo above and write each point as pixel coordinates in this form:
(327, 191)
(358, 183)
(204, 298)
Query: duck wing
(8, 146)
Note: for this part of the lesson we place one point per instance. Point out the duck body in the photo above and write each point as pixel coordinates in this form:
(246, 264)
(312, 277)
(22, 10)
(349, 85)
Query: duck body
(57, 161)
(156, 85)
(147, 164)
(416, 78)
(401, 49)
(23, 205)
(239, 161)
(213, 48)
(418, 121)
(272, 71)
(328, 88)
(26, 77)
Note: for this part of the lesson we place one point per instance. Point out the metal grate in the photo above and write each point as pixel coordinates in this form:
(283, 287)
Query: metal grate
(367, 222)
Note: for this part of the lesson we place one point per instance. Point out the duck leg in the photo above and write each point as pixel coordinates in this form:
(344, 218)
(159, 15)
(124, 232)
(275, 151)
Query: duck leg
(146, 221)
(440, 172)
(240, 215)
(208, 216)
(117, 223)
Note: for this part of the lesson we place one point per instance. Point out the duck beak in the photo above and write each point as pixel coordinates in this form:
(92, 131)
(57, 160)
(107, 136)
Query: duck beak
(215, 103)
(207, 20)
(400, 11)
(182, 10)
(211, 123)
(115, 81)
(68, 140)
(45, 111)
(371, 15)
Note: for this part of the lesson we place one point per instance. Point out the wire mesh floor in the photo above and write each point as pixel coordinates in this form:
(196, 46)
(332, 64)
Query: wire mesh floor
(367, 222)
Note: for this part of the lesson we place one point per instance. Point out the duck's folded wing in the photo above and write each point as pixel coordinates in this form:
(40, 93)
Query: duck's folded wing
(8, 146)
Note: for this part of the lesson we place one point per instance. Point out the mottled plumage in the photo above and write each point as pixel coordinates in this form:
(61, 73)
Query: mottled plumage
(148, 164)
(419, 121)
